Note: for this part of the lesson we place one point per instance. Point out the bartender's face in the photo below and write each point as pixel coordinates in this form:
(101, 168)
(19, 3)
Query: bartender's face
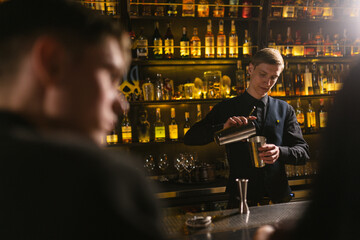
(262, 78)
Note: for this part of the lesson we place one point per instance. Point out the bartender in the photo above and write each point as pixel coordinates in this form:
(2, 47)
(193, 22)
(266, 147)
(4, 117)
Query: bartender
(275, 119)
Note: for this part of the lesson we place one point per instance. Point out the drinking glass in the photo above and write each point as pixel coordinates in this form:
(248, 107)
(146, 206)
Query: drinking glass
(163, 165)
(189, 90)
(149, 163)
(179, 165)
(189, 164)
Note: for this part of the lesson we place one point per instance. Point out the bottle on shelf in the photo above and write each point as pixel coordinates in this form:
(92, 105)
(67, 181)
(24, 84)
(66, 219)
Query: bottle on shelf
(171, 8)
(246, 11)
(209, 42)
(134, 8)
(133, 42)
(168, 89)
(247, 76)
(323, 115)
(240, 78)
(300, 9)
(195, 44)
(336, 46)
(143, 127)
(356, 46)
(158, 43)
(142, 45)
(148, 90)
(298, 50)
(219, 9)
(328, 12)
(289, 42)
(300, 117)
(159, 8)
(221, 41)
(169, 43)
(203, 8)
(112, 137)
(159, 127)
(233, 9)
(188, 8)
(323, 80)
(299, 82)
(184, 45)
(328, 46)
(187, 124)
(345, 44)
(276, 8)
(233, 42)
(173, 127)
(316, 10)
(308, 81)
(330, 87)
(279, 44)
(311, 118)
(126, 133)
(159, 87)
(315, 79)
(247, 45)
(288, 77)
(309, 49)
(320, 44)
(146, 9)
(289, 9)
(198, 113)
(271, 41)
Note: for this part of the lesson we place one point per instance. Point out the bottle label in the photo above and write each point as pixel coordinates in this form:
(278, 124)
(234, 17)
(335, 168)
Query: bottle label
(160, 132)
(126, 132)
(158, 47)
(300, 118)
(323, 119)
(113, 138)
(173, 132)
(196, 49)
(298, 51)
(246, 49)
(203, 10)
(169, 46)
(185, 130)
(311, 119)
(209, 46)
(184, 48)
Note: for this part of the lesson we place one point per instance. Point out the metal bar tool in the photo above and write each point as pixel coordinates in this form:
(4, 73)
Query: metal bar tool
(243, 208)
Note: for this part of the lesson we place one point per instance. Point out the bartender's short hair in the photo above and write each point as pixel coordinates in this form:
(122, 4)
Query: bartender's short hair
(73, 25)
(269, 56)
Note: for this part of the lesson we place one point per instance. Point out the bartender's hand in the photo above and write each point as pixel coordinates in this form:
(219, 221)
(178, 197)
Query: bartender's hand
(269, 153)
(238, 120)
(263, 232)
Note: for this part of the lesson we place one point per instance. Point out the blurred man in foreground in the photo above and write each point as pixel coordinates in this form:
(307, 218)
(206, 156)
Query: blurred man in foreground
(60, 65)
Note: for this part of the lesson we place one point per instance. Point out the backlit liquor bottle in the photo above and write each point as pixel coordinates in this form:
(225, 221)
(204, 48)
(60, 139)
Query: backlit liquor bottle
(328, 12)
(289, 9)
(134, 8)
(203, 8)
(240, 78)
(188, 8)
(247, 76)
(337, 47)
(173, 127)
(187, 123)
(328, 46)
(300, 117)
(209, 42)
(195, 44)
(247, 46)
(146, 9)
(299, 81)
(112, 137)
(198, 113)
(143, 127)
(316, 10)
(142, 45)
(300, 9)
(323, 115)
(233, 9)
(111, 6)
(159, 8)
(219, 9)
(169, 43)
(271, 41)
(289, 42)
(319, 41)
(356, 47)
(309, 49)
(171, 8)
(184, 45)
(158, 43)
(159, 128)
(288, 76)
(315, 79)
(276, 8)
(233, 42)
(330, 85)
(221, 41)
(323, 80)
(345, 45)
(126, 133)
(311, 118)
(148, 90)
(159, 87)
(246, 11)
(279, 44)
(308, 81)
(298, 50)
(133, 42)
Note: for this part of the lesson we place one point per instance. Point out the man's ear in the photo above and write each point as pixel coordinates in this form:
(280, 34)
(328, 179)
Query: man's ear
(48, 56)
(251, 68)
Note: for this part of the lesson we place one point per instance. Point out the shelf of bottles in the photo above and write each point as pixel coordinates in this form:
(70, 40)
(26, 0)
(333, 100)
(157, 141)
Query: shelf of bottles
(106, 7)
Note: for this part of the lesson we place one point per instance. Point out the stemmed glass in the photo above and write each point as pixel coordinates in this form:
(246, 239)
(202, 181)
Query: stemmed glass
(179, 165)
(189, 163)
(163, 165)
(149, 164)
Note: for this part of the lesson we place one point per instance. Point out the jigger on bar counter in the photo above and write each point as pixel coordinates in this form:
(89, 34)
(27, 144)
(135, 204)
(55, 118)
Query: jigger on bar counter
(243, 208)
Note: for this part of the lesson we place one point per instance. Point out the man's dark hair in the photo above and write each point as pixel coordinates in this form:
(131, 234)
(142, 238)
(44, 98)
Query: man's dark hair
(269, 56)
(22, 21)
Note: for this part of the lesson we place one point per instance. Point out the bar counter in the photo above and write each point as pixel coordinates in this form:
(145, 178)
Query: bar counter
(230, 224)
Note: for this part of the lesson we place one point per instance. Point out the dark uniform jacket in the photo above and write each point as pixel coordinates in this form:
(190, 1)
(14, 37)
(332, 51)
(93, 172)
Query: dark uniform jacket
(280, 128)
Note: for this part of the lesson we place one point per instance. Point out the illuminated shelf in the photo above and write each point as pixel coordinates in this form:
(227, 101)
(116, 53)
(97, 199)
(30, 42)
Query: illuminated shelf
(199, 61)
